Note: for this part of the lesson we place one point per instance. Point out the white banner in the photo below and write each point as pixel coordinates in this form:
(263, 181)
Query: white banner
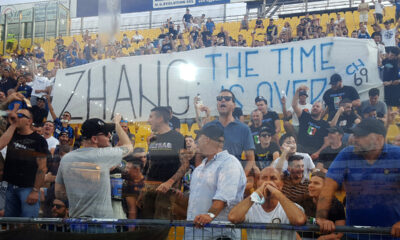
(132, 86)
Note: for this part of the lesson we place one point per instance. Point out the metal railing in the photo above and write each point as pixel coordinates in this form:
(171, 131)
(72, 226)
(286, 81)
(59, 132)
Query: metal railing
(174, 229)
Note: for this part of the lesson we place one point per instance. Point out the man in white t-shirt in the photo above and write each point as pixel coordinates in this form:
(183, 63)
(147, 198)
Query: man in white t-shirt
(48, 131)
(84, 174)
(41, 86)
(389, 34)
(268, 205)
(289, 148)
(288, 114)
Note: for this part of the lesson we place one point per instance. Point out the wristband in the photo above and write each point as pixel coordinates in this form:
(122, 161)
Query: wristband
(254, 197)
(212, 215)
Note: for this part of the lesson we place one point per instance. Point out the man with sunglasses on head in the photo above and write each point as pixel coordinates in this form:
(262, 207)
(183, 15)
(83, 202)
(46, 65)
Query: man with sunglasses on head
(61, 124)
(25, 165)
(83, 176)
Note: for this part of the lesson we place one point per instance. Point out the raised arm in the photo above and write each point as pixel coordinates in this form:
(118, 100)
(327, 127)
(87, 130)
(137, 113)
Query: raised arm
(126, 144)
(51, 109)
(295, 103)
(8, 134)
(335, 119)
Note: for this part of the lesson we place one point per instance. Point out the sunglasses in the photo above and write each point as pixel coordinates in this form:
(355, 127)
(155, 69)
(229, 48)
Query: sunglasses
(226, 98)
(265, 135)
(124, 121)
(58, 206)
(21, 115)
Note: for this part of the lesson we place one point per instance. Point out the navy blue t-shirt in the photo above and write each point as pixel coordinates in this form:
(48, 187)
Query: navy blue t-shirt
(372, 190)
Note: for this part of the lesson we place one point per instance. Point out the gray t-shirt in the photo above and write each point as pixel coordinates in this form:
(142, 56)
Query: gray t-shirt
(85, 173)
(380, 106)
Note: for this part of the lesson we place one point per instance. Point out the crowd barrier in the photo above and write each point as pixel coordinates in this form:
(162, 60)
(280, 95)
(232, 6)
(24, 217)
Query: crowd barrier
(55, 228)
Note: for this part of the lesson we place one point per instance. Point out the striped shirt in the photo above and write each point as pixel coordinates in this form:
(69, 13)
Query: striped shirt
(294, 191)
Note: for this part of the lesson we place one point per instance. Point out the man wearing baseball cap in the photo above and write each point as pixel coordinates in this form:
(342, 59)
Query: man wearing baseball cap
(333, 96)
(84, 174)
(369, 172)
(216, 186)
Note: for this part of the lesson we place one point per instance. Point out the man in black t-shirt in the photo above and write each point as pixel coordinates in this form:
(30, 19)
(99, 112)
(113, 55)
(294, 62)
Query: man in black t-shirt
(39, 111)
(345, 117)
(267, 151)
(25, 165)
(164, 166)
(312, 128)
(333, 96)
(329, 153)
(256, 125)
(271, 118)
(7, 80)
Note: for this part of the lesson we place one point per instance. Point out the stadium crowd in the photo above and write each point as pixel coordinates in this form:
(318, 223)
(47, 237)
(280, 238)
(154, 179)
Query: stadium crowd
(232, 171)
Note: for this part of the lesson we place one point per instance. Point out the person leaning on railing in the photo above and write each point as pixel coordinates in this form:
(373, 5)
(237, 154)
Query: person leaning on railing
(369, 171)
(268, 205)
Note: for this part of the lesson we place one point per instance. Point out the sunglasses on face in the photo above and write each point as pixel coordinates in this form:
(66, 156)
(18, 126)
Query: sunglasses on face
(58, 206)
(21, 115)
(265, 135)
(124, 121)
(226, 98)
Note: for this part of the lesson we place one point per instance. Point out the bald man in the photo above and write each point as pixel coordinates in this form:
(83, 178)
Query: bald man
(268, 205)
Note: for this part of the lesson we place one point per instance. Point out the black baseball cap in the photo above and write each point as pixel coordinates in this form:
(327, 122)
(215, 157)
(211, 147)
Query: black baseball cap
(335, 78)
(214, 132)
(335, 130)
(369, 125)
(94, 126)
(260, 98)
(64, 132)
(267, 130)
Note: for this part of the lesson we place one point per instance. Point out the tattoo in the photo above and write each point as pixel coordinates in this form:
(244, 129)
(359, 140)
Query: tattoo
(179, 174)
(39, 171)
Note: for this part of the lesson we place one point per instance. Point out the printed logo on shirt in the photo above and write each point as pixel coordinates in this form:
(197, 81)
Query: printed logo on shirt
(336, 101)
(160, 146)
(311, 130)
(342, 123)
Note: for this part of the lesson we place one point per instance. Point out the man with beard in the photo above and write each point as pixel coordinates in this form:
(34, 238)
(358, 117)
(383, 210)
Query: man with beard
(312, 128)
(268, 204)
(269, 117)
(345, 118)
(372, 196)
(333, 96)
(288, 149)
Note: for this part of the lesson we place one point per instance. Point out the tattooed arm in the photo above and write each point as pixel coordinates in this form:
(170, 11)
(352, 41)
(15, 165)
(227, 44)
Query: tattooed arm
(33, 196)
(184, 156)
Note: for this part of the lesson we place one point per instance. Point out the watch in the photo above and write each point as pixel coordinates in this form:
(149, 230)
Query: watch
(212, 215)
(254, 197)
